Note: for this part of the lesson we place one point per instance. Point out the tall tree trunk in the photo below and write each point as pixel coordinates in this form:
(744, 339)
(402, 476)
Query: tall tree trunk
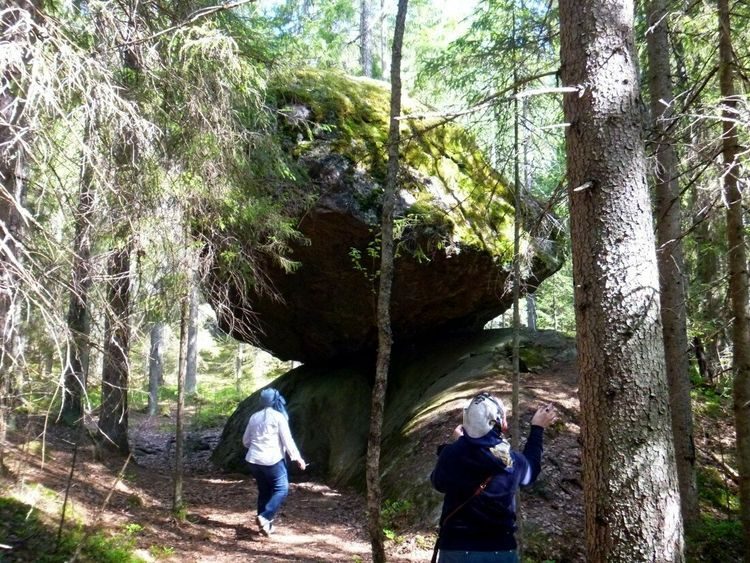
(239, 358)
(738, 276)
(177, 501)
(78, 314)
(708, 275)
(365, 36)
(374, 494)
(191, 372)
(531, 311)
(526, 133)
(708, 316)
(631, 496)
(670, 257)
(515, 429)
(15, 28)
(155, 366)
(555, 322)
(382, 42)
(113, 418)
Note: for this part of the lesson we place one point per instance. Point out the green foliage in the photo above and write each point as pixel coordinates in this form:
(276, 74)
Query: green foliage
(133, 529)
(320, 33)
(537, 544)
(714, 402)
(715, 490)
(161, 551)
(554, 302)
(394, 515)
(32, 536)
(214, 406)
(714, 540)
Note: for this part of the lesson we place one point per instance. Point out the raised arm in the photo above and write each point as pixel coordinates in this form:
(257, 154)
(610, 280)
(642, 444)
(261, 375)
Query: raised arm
(543, 417)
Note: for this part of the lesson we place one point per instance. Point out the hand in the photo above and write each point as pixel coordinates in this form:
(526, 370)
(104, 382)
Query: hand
(545, 416)
(302, 464)
(458, 431)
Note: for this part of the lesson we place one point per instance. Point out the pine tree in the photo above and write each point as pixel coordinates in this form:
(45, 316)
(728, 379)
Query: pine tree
(630, 484)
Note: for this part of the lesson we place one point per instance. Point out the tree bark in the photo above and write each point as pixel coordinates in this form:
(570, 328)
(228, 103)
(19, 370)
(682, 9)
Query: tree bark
(155, 367)
(239, 358)
(670, 257)
(632, 504)
(737, 259)
(365, 37)
(78, 313)
(16, 28)
(374, 493)
(191, 371)
(113, 418)
(531, 311)
(384, 71)
(515, 426)
(177, 501)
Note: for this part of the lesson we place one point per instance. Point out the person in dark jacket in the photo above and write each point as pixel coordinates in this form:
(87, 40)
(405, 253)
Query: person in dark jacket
(479, 475)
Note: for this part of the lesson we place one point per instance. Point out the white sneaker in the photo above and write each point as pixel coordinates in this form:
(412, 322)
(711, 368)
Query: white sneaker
(264, 524)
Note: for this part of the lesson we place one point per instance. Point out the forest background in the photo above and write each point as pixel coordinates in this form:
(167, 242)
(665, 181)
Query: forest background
(123, 122)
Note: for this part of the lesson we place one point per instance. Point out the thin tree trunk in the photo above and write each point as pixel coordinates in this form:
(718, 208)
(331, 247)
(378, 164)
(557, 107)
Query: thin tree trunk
(670, 258)
(516, 352)
(177, 501)
(239, 358)
(191, 373)
(78, 314)
(738, 276)
(555, 322)
(113, 418)
(384, 71)
(709, 315)
(518, 217)
(531, 311)
(631, 496)
(155, 367)
(525, 142)
(365, 37)
(15, 28)
(374, 494)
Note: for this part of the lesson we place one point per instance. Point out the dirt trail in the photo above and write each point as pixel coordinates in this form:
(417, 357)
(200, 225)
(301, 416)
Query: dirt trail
(317, 523)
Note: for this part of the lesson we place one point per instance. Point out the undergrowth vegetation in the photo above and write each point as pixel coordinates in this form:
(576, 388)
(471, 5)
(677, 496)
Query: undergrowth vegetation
(717, 536)
(33, 534)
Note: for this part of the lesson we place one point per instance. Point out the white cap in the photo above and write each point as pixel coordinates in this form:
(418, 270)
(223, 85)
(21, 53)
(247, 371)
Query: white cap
(482, 414)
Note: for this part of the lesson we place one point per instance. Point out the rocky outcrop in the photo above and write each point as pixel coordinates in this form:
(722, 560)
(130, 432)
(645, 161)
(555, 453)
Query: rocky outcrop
(329, 408)
(454, 230)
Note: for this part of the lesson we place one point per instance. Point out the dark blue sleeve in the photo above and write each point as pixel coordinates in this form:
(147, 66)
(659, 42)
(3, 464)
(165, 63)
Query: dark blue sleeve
(439, 477)
(533, 450)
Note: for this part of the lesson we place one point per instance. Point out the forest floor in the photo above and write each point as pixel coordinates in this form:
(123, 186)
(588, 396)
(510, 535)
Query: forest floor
(317, 523)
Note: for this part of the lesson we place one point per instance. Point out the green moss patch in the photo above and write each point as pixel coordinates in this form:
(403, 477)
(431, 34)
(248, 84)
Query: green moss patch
(442, 166)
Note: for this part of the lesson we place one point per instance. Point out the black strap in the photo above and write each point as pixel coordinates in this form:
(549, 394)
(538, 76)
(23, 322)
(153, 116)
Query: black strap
(482, 486)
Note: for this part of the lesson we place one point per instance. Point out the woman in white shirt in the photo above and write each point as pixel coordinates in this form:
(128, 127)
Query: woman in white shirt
(268, 440)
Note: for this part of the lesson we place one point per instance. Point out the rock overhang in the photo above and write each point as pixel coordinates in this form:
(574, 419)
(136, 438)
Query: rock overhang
(454, 223)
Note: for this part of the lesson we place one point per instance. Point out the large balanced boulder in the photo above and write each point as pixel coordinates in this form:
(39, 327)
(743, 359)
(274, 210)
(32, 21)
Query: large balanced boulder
(454, 225)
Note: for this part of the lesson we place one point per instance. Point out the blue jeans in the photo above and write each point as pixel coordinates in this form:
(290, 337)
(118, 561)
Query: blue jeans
(273, 487)
(478, 556)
